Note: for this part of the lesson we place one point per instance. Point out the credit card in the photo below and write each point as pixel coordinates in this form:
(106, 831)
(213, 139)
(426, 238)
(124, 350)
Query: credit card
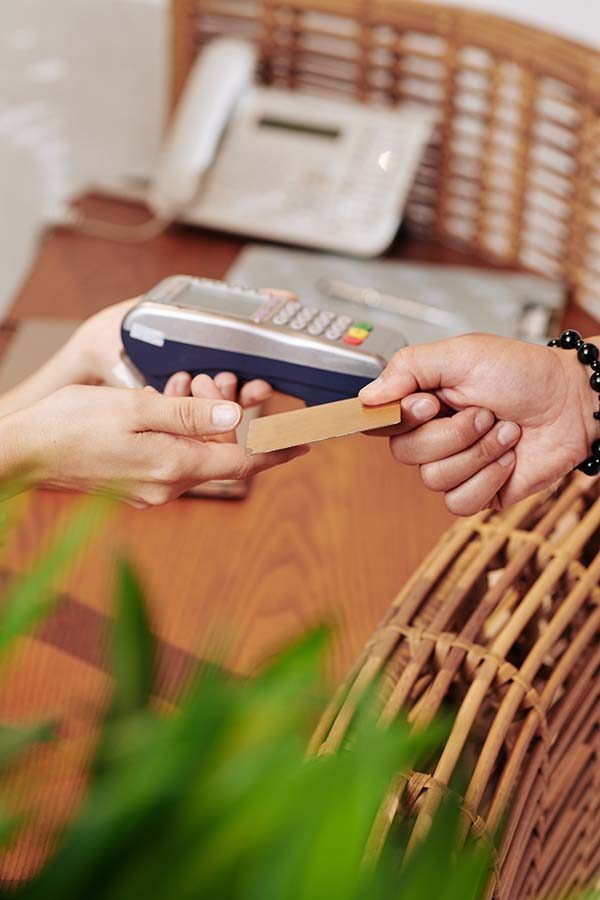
(318, 423)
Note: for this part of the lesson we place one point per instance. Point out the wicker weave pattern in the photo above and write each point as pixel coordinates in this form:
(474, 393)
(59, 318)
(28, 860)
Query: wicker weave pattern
(501, 623)
(514, 171)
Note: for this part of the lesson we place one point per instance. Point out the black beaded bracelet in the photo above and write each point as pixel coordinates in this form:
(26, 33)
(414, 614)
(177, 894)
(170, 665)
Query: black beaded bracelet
(588, 354)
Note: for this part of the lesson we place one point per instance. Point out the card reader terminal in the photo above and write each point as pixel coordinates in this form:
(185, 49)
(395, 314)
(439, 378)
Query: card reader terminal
(198, 325)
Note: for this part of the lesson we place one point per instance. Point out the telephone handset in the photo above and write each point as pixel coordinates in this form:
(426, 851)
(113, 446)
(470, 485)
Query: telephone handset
(281, 165)
(218, 77)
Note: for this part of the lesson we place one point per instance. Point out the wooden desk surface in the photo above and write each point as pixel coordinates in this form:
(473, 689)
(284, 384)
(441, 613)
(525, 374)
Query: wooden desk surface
(330, 537)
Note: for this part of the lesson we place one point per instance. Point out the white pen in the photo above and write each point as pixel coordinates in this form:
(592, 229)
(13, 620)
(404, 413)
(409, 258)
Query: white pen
(410, 309)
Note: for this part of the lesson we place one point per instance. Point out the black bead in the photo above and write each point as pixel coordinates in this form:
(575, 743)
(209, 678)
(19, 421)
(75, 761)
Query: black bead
(595, 382)
(554, 342)
(597, 415)
(595, 365)
(590, 466)
(569, 339)
(587, 354)
(596, 448)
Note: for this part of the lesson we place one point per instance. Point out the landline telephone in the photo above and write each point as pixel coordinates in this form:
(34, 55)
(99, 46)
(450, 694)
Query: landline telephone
(279, 164)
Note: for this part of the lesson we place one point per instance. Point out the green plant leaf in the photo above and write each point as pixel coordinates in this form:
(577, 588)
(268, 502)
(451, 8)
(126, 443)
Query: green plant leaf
(133, 651)
(217, 799)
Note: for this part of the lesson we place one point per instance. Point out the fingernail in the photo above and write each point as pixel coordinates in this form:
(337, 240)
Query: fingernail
(180, 383)
(483, 420)
(507, 460)
(225, 415)
(423, 409)
(508, 433)
(371, 389)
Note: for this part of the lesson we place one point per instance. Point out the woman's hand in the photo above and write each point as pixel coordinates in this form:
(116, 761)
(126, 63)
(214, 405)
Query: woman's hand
(94, 349)
(88, 357)
(523, 417)
(138, 445)
(224, 386)
(91, 356)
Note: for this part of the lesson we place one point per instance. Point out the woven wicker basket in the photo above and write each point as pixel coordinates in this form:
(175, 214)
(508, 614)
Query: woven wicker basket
(501, 623)
(513, 173)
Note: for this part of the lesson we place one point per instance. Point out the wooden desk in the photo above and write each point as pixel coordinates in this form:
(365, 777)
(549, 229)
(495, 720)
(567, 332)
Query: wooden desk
(331, 537)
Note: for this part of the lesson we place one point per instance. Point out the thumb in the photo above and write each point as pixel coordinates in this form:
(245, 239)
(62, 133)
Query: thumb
(424, 367)
(189, 416)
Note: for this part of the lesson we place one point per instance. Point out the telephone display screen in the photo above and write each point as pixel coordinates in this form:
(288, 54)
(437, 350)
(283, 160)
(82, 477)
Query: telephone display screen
(319, 131)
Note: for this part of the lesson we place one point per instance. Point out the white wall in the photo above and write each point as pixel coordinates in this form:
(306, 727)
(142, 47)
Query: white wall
(577, 19)
(82, 96)
(82, 88)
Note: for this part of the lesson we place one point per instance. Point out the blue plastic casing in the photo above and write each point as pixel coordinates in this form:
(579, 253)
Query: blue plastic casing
(314, 386)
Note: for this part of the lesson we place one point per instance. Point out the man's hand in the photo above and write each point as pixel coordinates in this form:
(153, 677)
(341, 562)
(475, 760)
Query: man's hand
(523, 417)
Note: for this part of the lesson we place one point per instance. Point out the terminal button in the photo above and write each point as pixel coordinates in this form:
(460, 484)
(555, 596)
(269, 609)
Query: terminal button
(342, 322)
(333, 334)
(360, 333)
